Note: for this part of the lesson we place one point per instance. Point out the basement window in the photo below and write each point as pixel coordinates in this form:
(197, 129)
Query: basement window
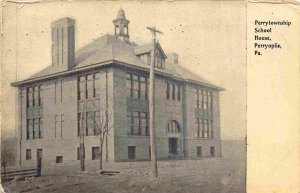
(28, 154)
(95, 153)
(59, 159)
(199, 151)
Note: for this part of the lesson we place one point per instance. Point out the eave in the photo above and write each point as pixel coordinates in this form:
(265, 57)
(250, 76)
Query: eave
(106, 64)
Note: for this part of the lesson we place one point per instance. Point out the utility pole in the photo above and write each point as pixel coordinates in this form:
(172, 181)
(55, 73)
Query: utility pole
(151, 104)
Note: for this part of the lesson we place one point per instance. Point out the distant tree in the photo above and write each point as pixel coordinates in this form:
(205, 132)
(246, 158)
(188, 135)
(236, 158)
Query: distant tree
(103, 126)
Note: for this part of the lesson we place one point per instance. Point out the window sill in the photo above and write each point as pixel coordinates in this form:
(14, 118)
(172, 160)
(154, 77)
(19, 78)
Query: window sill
(138, 136)
(202, 138)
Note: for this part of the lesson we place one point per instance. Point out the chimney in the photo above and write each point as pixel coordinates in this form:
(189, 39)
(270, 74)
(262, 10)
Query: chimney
(173, 58)
(63, 44)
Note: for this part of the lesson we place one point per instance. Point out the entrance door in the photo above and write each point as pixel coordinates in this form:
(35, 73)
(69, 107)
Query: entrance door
(39, 155)
(173, 146)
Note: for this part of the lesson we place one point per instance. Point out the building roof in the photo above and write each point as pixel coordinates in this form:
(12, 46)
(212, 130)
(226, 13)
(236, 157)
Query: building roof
(110, 49)
(147, 48)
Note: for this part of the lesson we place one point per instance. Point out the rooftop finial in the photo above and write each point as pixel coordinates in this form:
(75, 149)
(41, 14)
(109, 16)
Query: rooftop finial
(121, 14)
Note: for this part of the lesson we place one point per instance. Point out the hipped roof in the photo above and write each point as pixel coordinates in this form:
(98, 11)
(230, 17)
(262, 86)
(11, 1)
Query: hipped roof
(108, 49)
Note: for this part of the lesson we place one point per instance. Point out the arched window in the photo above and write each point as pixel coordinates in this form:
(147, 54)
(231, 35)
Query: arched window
(173, 127)
(125, 30)
(117, 30)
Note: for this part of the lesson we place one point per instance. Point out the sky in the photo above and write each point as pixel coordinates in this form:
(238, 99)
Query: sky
(210, 38)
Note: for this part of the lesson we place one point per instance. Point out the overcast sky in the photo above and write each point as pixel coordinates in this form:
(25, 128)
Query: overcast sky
(208, 36)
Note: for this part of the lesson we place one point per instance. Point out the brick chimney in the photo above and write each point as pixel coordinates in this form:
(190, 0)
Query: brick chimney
(63, 44)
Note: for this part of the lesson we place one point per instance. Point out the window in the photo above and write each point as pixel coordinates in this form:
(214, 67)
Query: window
(58, 88)
(203, 99)
(117, 31)
(146, 58)
(143, 124)
(89, 123)
(89, 86)
(29, 129)
(61, 125)
(28, 154)
(34, 103)
(160, 62)
(173, 126)
(34, 128)
(138, 123)
(168, 90)
(129, 121)
(129, 85)
(55, 126)
(143, 88)
(212, 151)
(97, 85)
(199, 151)
(178, 93)
(211, 129)
(203, 128)
(131, 152)
(171, 91)
(36, 96)
(137, 86)
(95, 153)
(59, 159)
(97, 123)
(40, 128)
(82, 92)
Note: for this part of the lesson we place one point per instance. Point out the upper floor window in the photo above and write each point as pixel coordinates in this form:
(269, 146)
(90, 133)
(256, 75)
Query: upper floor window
(89, 123)
(159, 59)
(137, 86)
(146, 58)
(203, 128)
(173, 91)
(138, 123)
(58, 91)
(203, 99)
(34, 118)
(160, 62)
(34, 128)
(34, 96)
(173, 126)
(89, 86)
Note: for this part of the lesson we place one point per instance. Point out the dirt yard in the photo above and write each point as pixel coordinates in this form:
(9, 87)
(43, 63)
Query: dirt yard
(207, 175)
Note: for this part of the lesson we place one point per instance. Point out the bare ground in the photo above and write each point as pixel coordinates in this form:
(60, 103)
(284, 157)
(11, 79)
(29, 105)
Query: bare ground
(207, 175)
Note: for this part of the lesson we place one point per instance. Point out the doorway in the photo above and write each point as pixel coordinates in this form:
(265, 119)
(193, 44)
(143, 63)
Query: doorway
(39, 156)
(131, 152)
(173, 146)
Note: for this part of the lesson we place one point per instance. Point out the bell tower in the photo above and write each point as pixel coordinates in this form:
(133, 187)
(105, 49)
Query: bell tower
(121, 26)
